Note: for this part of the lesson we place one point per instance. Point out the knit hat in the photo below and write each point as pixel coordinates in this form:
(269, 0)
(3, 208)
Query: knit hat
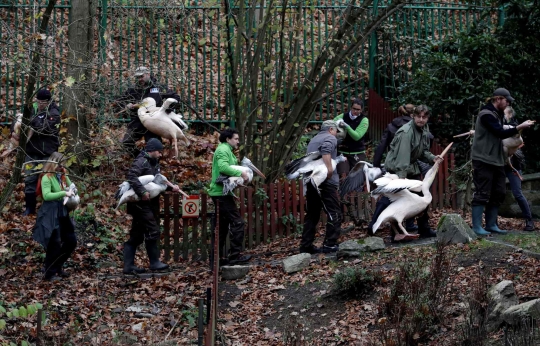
(44, 95)
(141, 70)
(152, 145)
(328, 124)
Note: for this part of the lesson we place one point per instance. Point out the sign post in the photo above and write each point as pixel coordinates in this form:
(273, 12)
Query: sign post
(191, 206)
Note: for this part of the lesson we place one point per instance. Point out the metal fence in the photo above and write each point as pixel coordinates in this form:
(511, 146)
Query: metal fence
(183, 43)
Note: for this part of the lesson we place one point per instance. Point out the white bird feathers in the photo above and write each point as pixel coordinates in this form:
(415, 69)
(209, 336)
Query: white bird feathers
(72, 202)
(312, 167)
(162, 121)
(230, 183)
(405, 204)
(362, 173)
(153, 184)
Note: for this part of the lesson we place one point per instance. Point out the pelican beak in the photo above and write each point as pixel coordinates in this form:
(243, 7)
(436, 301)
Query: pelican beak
(256, 170)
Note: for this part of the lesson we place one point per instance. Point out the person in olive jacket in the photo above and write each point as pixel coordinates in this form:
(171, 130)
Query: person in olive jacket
(488, 161)
(44, 140)
(54, 228)
(147, 86)
(145, 212)
(230, 221)
(410, 144)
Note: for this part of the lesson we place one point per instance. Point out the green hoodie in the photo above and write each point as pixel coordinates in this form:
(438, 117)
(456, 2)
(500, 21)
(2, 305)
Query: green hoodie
(409, 145)
(221, 164)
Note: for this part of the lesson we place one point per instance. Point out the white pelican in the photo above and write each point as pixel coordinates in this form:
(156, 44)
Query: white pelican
(153, 184)
(320, 172)
(72, 202)
(362, 173)
(230, 183)
(341, 132)
(162, 123)
(405, 204)
(303, 165)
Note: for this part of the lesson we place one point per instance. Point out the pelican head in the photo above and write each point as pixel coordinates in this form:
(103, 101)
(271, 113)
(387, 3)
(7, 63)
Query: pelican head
(341, 158)
(160, 179)
(168, 102)
(432, 173)
(247, 163)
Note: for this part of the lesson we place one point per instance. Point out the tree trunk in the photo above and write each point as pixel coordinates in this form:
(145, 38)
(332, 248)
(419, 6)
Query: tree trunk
(28, 98)
(76, 96)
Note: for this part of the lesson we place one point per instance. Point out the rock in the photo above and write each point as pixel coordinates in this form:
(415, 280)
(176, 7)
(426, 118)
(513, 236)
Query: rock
(234, 272)
(118, 310)
(350, 248)
(135, 308)
(452, 229)
(515, 314)
(137, 327)
(502, 296)
(296, 263)
(374, 244)
(143, 315)
(353, 248)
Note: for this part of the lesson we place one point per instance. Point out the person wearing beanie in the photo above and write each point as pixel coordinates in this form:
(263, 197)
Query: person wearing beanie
(327, 198)
(43, 141)
(353, 146)
(410, 144)
(145, 86)
(145, 212)
(488, 161)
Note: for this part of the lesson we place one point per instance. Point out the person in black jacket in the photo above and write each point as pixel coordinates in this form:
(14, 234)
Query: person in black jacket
(44, 141)
(147, 86)
(145, 213)
(517, 160)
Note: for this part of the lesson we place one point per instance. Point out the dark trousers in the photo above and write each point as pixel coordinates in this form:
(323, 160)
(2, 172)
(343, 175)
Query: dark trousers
(489, 183)
(145, 224)
(329, 201)
(230, 223)
(61, 245)
(515, 185)
(135, 131)
(352, 159)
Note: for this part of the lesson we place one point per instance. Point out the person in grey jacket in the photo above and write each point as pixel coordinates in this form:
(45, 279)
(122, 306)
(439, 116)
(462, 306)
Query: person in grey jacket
(324, 142)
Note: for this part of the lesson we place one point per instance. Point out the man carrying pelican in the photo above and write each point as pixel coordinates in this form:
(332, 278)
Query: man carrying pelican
(326, 197)
(411, 143)
(224, 164)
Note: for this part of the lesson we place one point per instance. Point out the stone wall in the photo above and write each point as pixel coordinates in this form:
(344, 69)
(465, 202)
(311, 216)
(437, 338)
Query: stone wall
(531, 190)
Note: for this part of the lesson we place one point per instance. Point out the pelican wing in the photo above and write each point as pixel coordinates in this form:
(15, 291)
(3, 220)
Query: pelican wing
(297, 164)
(395, 185)
(355, 180)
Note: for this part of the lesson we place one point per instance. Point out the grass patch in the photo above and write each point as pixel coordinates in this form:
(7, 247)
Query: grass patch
(529, 242)
(481, 243)
(355, 281)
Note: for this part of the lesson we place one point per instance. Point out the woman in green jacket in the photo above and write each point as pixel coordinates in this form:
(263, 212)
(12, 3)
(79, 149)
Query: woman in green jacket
(54, 229)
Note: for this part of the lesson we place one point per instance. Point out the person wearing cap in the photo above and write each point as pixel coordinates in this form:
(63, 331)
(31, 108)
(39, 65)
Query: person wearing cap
(44, 126)
(410, 144)
(353, 147)
(488, 161)
(327, 198)
(230, 220)
(145, 212)
(146, 86)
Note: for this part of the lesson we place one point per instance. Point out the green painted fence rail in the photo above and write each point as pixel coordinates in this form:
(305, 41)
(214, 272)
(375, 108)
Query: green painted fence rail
(182, 45)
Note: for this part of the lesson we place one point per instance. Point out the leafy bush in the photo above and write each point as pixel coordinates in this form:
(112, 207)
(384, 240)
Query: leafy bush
(355, 281)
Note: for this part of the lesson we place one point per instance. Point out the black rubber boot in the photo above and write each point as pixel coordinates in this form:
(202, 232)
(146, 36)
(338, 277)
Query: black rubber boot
(424, 230)
(129, 260)
(153, 255)
(30, 201)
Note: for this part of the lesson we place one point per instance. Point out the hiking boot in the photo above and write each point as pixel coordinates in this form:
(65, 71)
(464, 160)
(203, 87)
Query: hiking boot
(310, 250)
(529, 225)
(329, 249)
(239, 259)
